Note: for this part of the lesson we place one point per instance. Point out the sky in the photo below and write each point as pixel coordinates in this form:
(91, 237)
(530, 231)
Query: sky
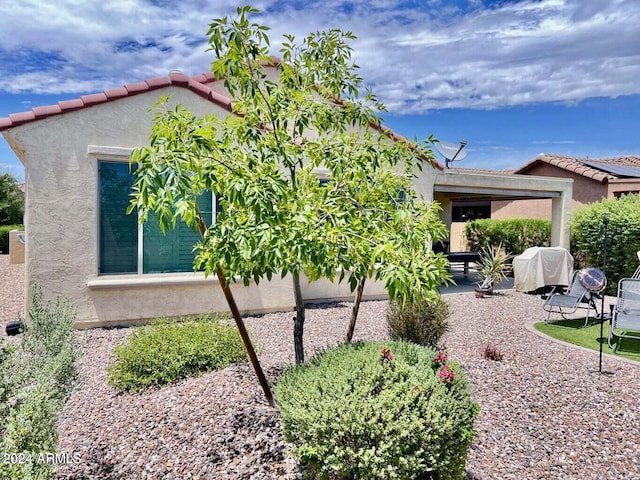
(513, 78)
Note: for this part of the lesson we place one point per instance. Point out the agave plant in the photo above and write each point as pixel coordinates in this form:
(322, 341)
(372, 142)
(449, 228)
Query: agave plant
(493, 267)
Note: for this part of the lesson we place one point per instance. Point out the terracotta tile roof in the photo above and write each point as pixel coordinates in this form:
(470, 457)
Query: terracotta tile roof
(586, 167)
(482, 170)
(196, 84)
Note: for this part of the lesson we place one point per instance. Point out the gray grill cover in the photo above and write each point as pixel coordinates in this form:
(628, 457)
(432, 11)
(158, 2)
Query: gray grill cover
(539, 267)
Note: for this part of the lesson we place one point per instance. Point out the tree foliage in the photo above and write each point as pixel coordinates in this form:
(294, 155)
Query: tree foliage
(11, 200)
(304, 115)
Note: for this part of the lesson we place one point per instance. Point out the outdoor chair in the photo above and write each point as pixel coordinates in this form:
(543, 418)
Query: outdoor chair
(636, 274)
(586, 285)
(625, 321)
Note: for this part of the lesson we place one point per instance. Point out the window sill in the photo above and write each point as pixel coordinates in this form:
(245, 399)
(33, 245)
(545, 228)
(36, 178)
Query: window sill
(150, 280)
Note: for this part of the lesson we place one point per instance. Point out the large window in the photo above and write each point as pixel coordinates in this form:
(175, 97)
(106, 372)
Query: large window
(126, 248)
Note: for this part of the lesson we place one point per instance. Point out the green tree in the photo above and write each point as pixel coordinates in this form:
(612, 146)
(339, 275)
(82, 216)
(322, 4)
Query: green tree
(11, 200)
(276, 216)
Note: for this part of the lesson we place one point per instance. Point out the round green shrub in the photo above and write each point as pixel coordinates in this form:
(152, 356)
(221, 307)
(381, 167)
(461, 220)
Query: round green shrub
(386, 410)
(168, 350)
(422, 322)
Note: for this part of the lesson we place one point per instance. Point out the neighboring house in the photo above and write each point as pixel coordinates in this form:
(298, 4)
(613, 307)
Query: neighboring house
(593, 180)
(81, 244)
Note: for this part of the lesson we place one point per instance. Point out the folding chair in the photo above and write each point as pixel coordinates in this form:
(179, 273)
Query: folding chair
(586, 284)
(625, 322)
(636, 274)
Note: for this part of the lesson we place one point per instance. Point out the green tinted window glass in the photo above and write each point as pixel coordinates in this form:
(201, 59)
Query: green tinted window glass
(118, 231)
(173, 250)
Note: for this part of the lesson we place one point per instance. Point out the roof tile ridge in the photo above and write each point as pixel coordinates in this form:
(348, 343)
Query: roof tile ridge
(396, 137)
(196, 84)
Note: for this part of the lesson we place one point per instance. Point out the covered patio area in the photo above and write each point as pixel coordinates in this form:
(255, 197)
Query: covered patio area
(458, 187)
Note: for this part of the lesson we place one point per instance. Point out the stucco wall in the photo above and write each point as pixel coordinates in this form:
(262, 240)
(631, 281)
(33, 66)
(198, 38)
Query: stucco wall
(61, 156)
(536, 209)
(16, 247)
(585, 190)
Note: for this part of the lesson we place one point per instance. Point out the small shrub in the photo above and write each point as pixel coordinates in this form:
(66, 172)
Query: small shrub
(166, 351)
(492, 353)
(422, 322)
(35, 380)
(378, 410)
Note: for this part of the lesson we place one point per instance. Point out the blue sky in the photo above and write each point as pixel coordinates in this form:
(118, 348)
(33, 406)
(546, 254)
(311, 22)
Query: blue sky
(514, 78)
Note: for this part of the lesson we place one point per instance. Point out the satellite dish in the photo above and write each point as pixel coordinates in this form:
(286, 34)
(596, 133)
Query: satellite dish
(451, 151)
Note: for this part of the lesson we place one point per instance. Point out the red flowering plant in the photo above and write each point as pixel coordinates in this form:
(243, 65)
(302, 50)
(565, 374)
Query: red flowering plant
(441, 358)
(385, 354)
(446, 374)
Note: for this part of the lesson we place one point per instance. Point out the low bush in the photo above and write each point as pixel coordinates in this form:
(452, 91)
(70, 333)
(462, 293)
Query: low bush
(378, 410)
(36, 378)
(422, 322)
(516, 234)
(4, 236)
(168, 350)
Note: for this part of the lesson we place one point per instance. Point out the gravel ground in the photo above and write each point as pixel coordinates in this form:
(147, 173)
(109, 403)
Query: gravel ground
(546, 412)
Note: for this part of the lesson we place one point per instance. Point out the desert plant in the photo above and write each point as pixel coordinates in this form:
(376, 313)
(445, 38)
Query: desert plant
(35, 380)
(386, 410)
(168, 350)
(493, 266)
(492, 353)
(422, 321)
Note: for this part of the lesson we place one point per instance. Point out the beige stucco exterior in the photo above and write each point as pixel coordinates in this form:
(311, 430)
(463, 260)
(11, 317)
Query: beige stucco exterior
(61, 154)
(16, 247)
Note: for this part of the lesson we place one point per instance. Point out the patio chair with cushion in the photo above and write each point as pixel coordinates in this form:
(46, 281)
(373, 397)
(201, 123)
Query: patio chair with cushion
(625, 322)
(586, 286)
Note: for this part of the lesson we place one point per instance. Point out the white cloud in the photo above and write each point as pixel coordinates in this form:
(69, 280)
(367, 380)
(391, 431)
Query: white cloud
(430, 57)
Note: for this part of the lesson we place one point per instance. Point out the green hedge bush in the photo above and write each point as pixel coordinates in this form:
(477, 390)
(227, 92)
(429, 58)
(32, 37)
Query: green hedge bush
(587, 236)
(422, 322)
(36, 378)
(378, 410)
(516, 234)
(168, 350)
(4, 236)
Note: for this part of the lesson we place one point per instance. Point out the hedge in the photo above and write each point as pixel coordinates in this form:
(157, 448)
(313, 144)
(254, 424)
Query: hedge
(516, 234)
(587, 237)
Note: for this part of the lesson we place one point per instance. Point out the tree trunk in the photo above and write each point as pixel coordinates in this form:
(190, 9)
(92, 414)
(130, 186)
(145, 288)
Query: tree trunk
(354, 311)
(235, 313)
(298, 320)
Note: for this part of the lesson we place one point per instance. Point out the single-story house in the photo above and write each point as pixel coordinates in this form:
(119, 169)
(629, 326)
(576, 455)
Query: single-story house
(81, 244)
(593, 180)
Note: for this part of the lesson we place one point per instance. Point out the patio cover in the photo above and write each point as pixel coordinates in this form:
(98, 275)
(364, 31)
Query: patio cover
(539, 267)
